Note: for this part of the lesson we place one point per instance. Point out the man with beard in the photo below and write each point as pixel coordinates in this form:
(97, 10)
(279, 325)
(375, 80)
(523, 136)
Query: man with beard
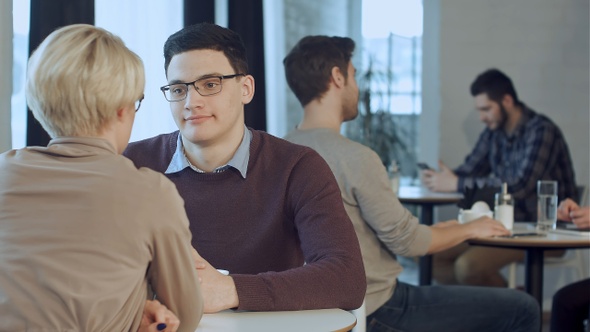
(320, 73)
(518, 147)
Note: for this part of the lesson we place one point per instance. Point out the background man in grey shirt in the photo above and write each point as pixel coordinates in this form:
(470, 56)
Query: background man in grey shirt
(321, 74)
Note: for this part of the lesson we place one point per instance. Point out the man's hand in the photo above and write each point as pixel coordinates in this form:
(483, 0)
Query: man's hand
(219, 291)
(442, 181)
(568, 210)
(486, 227)
(156, 317)
(448, 234)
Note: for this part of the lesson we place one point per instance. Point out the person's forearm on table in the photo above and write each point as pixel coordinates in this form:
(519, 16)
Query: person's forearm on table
(448, 237)
(451, 233)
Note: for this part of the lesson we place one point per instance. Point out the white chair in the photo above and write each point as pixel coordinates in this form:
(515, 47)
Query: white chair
(361, 318)
(572, 259)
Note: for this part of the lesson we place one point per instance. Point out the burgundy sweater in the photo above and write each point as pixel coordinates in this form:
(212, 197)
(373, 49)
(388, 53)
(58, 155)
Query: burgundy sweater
(287, 211)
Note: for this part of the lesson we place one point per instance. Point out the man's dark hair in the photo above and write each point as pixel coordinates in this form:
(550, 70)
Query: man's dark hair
(208, 36)
(308, 66)
(495, 84)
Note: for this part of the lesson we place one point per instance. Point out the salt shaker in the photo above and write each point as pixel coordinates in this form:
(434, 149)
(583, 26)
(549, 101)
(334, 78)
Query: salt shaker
(394, 176)
(504, 207)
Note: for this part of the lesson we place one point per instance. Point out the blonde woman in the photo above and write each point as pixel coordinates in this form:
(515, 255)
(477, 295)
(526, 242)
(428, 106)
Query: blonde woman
(84, 235)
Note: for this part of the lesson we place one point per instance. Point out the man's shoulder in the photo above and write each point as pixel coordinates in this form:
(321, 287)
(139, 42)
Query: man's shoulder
(539, 125)
(159, 140)
(325, 139)
(538, 120)
(151, 152)
(268, 143)
(275, 152)
(339, 151)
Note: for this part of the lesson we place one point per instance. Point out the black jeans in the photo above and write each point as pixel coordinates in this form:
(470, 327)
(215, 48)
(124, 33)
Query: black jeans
(571, 306)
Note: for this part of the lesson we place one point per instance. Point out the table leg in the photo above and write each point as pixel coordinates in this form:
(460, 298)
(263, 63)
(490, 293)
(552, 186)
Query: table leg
(533, 273)
(425, 272)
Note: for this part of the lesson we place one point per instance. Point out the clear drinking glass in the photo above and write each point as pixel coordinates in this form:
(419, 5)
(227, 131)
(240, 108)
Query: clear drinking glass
(546, 205)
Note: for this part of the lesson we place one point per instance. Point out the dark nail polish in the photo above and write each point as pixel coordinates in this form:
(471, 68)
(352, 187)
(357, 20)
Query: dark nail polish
(161, 326)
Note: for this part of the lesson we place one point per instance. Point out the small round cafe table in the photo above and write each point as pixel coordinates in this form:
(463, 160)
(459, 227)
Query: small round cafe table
(534, 247)
(285, 321)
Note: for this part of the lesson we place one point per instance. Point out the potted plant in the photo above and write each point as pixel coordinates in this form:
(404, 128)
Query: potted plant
(377, 127)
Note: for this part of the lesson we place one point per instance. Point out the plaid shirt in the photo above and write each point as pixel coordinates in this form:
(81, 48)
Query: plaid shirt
(535, 151)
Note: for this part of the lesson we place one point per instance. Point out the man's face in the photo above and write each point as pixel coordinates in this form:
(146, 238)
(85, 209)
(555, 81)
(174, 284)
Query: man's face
(491, 113)
(206, 120)
(351, 95)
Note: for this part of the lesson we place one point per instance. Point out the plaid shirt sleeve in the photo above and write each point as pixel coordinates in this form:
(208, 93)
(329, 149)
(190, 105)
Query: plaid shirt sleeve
(545, 157)
(476, 166)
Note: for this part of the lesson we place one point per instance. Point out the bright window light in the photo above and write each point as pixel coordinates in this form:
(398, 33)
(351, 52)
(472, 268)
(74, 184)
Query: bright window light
(144, 29)
(20, 23)
(400, 17)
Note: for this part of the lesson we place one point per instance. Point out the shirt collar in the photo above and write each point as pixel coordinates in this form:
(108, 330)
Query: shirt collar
(239, 160)
(81, 144)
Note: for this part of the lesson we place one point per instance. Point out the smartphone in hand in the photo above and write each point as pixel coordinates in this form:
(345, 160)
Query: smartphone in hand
(423, 166)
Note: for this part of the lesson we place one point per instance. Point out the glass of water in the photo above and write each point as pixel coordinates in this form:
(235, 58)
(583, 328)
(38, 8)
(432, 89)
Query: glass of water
(546, 205)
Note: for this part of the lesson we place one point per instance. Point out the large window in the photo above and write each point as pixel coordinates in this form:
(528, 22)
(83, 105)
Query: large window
(144, 30)
(389, 79)
(392, 50)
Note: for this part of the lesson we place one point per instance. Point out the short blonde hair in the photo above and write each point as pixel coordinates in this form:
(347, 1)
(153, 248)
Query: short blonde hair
(79, 77)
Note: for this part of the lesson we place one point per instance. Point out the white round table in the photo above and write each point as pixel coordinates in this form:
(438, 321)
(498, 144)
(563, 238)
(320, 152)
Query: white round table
(285, 321)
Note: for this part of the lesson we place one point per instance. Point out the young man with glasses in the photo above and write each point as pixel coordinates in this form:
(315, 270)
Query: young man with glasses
(320, 73)
(266, 210)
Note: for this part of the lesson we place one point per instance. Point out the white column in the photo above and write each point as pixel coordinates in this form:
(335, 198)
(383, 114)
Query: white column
(274, 52)
(6, 73)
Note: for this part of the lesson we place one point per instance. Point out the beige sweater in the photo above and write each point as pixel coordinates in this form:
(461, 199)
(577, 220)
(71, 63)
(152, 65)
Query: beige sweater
(82, 235)
(383, 226)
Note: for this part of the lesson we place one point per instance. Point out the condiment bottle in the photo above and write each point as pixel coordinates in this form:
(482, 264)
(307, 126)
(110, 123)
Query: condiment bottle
(504, 207)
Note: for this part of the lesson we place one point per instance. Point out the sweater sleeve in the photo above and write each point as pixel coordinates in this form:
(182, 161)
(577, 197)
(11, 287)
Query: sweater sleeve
(475, 169)
(171, 273)
(393, 224)
(333, 276)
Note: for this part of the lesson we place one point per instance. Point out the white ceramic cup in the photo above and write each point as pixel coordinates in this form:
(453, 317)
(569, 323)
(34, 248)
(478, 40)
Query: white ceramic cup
(466, 216)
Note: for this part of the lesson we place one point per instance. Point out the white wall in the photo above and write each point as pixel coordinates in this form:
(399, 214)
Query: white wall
(543, 45)
(5, 73)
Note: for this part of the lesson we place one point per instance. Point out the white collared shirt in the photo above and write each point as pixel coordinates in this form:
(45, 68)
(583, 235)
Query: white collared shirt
(239, 160)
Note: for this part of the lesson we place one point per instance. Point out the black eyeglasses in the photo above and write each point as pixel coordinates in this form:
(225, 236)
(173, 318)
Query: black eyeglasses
(138, 103)
(205, 86)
